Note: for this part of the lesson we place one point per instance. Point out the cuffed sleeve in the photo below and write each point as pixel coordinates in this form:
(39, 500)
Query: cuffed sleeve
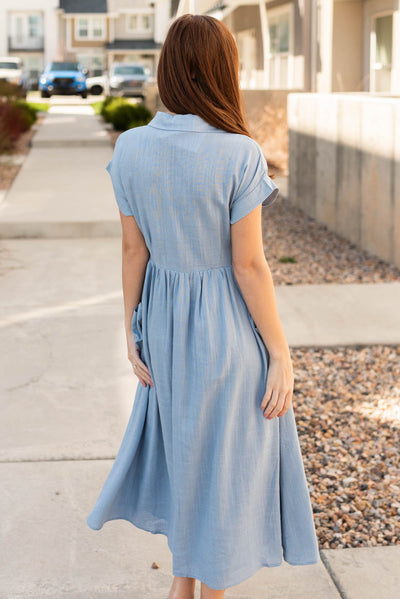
(255, 186)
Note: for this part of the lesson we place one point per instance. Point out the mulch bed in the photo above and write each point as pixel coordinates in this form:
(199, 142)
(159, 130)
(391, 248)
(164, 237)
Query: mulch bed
(8, 170)
(347, 407)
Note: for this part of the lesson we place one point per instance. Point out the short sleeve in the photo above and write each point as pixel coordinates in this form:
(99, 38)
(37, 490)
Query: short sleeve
(255, 186)
(114, 169)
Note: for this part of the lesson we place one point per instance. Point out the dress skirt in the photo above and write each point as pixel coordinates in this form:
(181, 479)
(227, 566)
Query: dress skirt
(199, 462)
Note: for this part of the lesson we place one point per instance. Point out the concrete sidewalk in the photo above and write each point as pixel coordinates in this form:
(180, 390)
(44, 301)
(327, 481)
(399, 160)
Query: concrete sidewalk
(63, 189)
(67, 391)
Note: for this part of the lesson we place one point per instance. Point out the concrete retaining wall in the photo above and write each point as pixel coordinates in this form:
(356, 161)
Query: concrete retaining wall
(344, 166)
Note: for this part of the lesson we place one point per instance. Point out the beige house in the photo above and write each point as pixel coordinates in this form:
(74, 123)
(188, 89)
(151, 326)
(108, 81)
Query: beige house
(28, 30)
(100, 32)
(312, 45)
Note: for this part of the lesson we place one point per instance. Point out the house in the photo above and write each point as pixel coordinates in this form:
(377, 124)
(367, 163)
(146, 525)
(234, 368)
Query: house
(84, 29)
(29, 30)
(312, 45)
(100, 32)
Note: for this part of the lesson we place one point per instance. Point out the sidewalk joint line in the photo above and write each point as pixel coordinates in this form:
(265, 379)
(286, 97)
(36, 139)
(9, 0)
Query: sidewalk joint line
(333, 576)
(81, 459)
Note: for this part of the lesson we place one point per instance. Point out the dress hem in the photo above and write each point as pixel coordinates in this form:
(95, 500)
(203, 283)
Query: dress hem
(245, 575)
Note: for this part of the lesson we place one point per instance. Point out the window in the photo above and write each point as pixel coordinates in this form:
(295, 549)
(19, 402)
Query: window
(280, 58)
(34, 28)
(279, 34)
(97, 27)
(139, 23)
(133, 22)
(90, 28)
(83, 28)
(128, 70)
(146, 21)
(26, 31)
(381, 53)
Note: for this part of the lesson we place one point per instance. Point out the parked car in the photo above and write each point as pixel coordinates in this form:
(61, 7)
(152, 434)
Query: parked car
(127, 79)
(30, 79)
(97, 85)
(11, 70)
(63, 78)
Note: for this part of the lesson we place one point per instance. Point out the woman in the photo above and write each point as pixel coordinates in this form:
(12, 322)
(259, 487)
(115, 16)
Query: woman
(210, 457)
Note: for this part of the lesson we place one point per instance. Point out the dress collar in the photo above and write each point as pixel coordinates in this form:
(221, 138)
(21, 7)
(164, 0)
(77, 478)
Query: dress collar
(180, 122)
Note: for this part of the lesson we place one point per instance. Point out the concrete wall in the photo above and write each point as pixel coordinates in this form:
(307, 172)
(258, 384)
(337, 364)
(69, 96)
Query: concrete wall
(256, 99)
(344, 166)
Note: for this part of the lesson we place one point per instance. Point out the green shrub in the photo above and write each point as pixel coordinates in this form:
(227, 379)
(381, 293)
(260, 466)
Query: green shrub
(124, 115)
(30, 110)
(39, 106)
(105, 104)
(97, 106)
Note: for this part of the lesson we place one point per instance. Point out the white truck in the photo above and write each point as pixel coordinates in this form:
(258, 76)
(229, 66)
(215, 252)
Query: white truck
(11, 70)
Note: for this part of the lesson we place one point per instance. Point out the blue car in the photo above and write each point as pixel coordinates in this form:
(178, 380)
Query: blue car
(63, 78)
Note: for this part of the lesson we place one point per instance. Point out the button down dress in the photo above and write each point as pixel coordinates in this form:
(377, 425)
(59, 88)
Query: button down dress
(199, 462)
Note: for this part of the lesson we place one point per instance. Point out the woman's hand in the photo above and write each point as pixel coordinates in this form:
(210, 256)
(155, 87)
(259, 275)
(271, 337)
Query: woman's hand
(279, 390)
(139, 367)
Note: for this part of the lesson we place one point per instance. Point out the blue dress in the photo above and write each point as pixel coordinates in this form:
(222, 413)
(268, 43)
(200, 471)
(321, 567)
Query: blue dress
(199, 462)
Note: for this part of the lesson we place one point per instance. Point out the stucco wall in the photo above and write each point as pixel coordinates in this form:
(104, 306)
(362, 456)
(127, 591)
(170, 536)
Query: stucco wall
(50, 25)
(347, 46)
(267, 118)
(344, 166)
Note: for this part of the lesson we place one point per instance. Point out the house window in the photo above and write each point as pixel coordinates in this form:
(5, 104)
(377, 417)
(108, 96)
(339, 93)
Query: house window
(279, 34)
(133, 22)
(83, 28)
(90, 28)
(26, 31)
(98, 28)
(34, 25)
(280, 52)
(381, 53)
(139, 23)
(146, 22)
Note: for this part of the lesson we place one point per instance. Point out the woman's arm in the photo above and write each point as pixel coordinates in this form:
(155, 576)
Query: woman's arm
(254, 278)
(135, 256)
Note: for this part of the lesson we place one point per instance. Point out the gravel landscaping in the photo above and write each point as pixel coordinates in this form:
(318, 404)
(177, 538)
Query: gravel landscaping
(347, 407)
(320, 255)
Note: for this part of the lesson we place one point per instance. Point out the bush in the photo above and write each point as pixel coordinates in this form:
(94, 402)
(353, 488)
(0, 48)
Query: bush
(124, 115)
(30, 110)
(39, 106)
(97, 106)
(10, 90)
(16, 117)
(105, 104)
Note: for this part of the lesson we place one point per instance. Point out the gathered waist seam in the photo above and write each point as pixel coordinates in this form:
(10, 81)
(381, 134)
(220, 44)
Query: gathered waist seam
(193, 270)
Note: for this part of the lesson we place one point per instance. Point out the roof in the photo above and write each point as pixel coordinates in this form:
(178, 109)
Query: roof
(84, 6)
(133, 45)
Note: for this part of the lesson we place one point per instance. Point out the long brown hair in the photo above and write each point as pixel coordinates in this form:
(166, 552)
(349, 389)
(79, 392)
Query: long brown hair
(198, 72)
